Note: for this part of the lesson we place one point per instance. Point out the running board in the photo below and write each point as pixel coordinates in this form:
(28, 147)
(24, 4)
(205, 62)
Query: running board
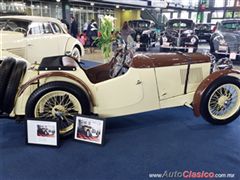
(188, 105)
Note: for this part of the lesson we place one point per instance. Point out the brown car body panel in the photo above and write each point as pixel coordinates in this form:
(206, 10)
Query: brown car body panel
(57, 74)
(205, 84)
(167, 59)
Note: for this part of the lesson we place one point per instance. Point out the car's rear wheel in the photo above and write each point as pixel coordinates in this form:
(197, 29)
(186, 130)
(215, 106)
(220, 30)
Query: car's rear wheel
(56, 99)
(221, 101)
(76, 54)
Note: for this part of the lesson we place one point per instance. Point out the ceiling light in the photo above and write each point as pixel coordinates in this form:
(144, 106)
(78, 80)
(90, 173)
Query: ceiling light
(143, 9)
(117, 6)
(92, 4)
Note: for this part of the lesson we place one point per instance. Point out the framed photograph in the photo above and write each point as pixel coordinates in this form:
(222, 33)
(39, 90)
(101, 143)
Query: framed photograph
(42, 132)
(89, 129)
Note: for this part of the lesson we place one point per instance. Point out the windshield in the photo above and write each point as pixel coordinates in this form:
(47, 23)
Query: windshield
(180, 24)
(139, 24)
(230, 26)
(14, 25)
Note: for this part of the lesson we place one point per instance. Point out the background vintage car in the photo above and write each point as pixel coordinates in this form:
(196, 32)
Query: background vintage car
(34, 38)
(204, 31)
(225, 41)
(179, 35)
(145, 33)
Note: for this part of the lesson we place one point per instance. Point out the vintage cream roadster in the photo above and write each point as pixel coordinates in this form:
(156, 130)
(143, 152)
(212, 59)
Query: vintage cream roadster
(60, 86)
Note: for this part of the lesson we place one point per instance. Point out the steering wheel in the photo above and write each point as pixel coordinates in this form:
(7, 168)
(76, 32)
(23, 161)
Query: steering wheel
(121, 63)
(20, 29)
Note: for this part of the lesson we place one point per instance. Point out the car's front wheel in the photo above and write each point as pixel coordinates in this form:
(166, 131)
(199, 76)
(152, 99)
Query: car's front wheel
(220, 103)
(58, 101)
(76, 54)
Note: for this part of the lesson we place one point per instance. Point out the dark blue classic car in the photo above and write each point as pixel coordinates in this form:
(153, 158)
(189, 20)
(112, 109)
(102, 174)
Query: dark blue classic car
(145, 33)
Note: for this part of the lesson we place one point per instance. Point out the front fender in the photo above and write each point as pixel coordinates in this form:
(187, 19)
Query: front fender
(206, 83)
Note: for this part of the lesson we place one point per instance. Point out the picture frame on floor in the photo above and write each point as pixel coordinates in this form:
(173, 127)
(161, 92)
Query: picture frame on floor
(42, 132)
(89, 129)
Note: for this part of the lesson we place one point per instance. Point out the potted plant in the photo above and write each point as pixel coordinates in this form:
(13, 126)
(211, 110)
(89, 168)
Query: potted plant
(104, 41)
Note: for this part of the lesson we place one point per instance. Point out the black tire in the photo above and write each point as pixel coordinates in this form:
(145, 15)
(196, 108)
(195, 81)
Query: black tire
(5, 72)
(75, 91)
(11, 90)
(204, 109)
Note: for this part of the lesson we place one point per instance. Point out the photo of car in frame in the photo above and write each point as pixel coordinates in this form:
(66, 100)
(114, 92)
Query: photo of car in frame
(89, 129)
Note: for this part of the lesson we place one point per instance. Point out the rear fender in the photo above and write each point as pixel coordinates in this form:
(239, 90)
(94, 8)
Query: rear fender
(58, 74)
(206, 83)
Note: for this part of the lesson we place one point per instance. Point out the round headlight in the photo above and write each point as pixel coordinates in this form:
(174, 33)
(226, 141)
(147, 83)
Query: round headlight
(193, 40)
(164, 39)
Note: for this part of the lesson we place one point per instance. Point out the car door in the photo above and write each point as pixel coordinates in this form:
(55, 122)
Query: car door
(41, 42)
(119, 92)
(62, 37)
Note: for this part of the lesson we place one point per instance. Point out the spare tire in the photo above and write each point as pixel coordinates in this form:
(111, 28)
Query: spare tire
(5, 72)
(12, 87)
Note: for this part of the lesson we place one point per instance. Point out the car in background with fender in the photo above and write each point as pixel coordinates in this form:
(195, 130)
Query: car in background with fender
(225, 41)
(145, 33)
(204, 31)
(179, 35)
(33, 37)
(60, 85)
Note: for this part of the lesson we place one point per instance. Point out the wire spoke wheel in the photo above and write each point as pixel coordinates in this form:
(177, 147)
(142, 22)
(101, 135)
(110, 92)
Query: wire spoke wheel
(224, 101)
(59, 102)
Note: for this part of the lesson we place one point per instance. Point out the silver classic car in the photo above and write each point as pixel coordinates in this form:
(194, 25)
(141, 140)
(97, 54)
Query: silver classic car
(225, 41)
(34, 38)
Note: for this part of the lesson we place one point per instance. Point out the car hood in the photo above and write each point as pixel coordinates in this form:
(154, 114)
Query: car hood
(174, 32)
(139, 30)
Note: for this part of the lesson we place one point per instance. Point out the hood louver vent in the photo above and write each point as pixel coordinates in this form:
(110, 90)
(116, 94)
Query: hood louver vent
(195, 75)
